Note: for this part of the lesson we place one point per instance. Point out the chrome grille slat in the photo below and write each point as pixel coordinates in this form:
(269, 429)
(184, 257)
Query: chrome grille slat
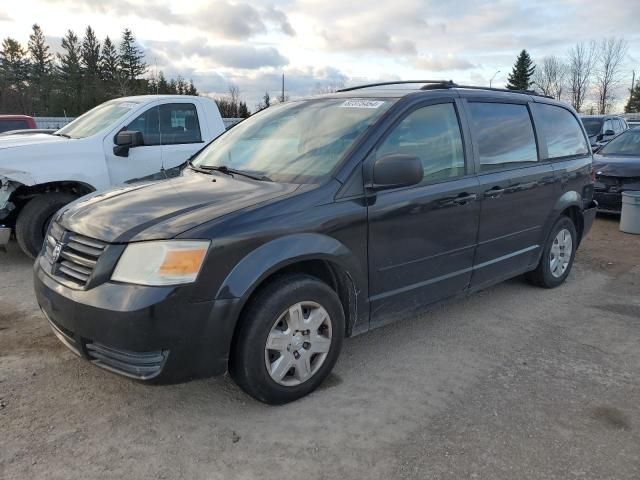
(74, 257)
(78, 256)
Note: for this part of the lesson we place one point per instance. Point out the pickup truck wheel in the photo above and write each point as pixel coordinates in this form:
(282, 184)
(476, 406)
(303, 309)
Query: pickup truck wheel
(289, 339)
(558, 255)
(34, 219)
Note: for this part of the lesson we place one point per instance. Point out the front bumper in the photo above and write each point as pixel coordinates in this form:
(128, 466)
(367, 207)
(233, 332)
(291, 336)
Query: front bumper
(608, 202)
(146, 333)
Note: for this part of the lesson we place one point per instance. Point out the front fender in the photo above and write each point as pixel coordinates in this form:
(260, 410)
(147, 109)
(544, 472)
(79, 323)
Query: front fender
(281, 252)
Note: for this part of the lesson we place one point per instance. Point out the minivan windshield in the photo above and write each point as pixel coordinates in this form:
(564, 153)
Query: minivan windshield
(627, 143)
(297, 142)
(592, 125)
(97, 119)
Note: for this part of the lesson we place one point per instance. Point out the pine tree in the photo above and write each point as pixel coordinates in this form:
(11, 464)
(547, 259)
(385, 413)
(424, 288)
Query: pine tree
(132, 62)
(163, 86)
(14, 75)
(191, 89)
(109, 68)
(266, 100)
(41, 70)
(70, 72)
(633, 105)
(520, 77)
(90, 60)
(243, 110)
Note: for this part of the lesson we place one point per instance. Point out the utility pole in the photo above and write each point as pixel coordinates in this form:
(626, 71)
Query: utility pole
(633, 80)
(282, 98)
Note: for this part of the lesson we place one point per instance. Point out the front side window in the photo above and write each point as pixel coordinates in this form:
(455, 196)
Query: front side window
(560, 130)
(98, 119)
(168, 124)
(433, 135)
(504, 134)
(296, 142)
(593, 126)
(626, 144)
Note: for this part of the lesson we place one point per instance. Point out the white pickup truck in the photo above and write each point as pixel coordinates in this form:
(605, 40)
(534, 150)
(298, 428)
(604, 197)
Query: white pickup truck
(121, 141)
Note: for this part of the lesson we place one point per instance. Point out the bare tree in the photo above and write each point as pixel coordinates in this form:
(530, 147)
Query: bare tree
(611, 54)
(551, 76)
(581, 62)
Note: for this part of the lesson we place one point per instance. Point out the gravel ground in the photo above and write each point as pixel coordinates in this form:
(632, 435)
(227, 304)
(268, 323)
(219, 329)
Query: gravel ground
(514, 382)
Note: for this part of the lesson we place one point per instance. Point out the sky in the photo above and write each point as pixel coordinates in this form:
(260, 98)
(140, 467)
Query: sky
(321, 44)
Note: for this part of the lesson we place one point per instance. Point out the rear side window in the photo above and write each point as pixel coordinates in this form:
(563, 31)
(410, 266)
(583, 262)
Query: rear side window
(504, 135)
(560, 130)
(433, 135)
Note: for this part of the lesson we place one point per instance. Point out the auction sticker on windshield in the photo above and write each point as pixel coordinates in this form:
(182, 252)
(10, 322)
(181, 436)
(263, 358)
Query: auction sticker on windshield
(362, 103)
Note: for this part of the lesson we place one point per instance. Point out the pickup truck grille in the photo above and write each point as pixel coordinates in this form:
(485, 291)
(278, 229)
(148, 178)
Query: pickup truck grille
(73, 257)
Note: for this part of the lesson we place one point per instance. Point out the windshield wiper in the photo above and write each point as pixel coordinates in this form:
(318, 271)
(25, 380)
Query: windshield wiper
(61, 135)
(231, 171)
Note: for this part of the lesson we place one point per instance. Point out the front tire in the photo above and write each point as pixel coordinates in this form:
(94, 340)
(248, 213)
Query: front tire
(289, 340)
(34, 219)
(557, 256)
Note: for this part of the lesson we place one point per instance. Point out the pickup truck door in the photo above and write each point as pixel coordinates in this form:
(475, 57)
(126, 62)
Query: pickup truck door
(171, 133)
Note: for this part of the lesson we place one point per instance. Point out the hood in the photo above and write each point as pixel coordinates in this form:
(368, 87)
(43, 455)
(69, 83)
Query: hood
(10, 141)
(162, 210)
(616, 166)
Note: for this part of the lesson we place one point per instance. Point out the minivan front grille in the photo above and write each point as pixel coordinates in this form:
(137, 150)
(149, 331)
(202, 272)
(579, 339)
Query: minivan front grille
(73, 257)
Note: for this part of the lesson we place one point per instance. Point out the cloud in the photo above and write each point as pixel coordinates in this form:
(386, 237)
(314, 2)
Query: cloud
(4, 16)
(220, 18)
(240, 56)
(440, 63)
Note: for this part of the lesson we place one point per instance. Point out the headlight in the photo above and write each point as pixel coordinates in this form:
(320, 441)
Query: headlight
(157, 263)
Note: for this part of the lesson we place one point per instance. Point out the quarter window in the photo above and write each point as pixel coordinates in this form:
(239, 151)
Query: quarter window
(433, 135)
(168, 124)
(560, 130)
(504, 134)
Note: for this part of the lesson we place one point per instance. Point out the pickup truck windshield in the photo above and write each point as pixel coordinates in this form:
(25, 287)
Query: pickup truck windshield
(97, 119)
(297, 142)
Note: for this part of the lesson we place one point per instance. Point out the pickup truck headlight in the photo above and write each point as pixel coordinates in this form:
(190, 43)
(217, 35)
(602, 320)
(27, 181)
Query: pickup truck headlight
(157, 263)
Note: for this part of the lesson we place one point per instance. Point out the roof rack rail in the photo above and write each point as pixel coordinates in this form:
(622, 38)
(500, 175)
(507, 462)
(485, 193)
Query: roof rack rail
(428, 84)
(493, 89)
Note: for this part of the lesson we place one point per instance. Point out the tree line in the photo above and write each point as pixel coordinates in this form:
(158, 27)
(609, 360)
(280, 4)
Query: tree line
(588, 77)
(85, 73)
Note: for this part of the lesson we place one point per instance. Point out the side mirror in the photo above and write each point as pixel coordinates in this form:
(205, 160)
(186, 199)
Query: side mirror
(125, 140)
(609, 133)
(396, 170)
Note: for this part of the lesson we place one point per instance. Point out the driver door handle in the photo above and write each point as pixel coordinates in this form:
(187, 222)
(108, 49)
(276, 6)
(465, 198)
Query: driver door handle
(494, 192)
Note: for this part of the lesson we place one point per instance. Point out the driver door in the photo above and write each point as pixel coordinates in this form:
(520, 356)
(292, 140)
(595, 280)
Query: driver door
(143, 160)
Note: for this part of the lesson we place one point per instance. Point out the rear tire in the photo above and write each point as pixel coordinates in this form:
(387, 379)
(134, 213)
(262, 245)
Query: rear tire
(557, 257)
(279, 357)
(34, 218)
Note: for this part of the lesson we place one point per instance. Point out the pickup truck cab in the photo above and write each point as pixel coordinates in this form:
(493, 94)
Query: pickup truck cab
(120, 141)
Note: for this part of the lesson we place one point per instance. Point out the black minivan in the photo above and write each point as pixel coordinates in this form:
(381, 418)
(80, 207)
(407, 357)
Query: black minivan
(316, 220)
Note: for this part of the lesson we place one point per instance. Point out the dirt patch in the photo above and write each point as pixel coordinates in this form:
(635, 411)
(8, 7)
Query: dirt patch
(611, 417)
(608, 249)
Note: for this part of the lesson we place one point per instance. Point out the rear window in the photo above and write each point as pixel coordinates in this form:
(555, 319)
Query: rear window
(593, 126)
(560, 130)
(504, 135)
(6, 125)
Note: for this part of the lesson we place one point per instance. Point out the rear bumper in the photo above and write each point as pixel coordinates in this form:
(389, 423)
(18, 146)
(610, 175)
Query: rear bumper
(146, 333)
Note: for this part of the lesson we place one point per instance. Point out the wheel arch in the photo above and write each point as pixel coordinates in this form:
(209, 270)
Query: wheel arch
(317, 255)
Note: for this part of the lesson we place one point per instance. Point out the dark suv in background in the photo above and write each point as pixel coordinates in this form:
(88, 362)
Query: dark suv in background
(602, 128)
(314, 220)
